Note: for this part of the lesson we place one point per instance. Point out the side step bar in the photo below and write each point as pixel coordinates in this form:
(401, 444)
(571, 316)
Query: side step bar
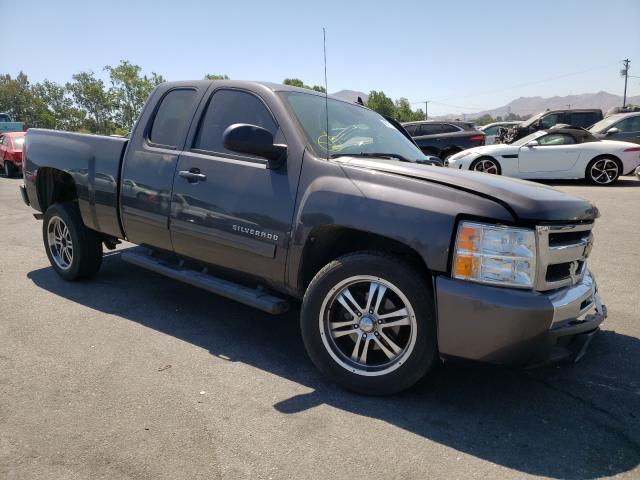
(252, 297)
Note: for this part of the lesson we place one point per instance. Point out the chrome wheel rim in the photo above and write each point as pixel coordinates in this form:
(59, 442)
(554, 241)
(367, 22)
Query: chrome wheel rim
(60, 243)
(486, 166)
(368, 325)
(604, 171)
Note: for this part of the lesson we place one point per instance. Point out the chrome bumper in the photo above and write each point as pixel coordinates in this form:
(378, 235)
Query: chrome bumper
(573, 303)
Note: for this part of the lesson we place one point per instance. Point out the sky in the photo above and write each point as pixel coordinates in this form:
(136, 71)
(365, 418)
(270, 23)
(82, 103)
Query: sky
(464, 56)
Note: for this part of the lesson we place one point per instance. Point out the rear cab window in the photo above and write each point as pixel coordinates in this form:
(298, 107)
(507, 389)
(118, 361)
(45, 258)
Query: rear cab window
(172, 118)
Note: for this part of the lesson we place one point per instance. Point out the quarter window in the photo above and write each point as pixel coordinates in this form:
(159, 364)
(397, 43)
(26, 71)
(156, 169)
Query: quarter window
(171, 118)
(225, 108)
(448, 128)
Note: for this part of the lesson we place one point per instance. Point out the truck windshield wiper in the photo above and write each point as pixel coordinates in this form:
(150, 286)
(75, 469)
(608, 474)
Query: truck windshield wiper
(372, 155)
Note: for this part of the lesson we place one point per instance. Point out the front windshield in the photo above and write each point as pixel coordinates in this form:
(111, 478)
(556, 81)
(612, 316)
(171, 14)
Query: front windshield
(354, 130)
(604, 124)
(528, 138)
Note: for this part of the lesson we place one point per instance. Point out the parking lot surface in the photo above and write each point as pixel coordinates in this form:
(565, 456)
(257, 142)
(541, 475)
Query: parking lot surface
(132, 375)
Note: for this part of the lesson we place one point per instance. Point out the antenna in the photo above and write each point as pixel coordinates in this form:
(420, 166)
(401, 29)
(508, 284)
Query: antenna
(326, 88)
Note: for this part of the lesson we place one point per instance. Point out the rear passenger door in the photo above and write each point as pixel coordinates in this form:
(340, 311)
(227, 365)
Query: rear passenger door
(238, 215)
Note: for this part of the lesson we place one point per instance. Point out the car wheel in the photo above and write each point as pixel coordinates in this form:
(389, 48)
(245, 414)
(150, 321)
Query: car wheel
(368, 323)
(603, 171)
(486, 165)
(74, 250)
(445, 154)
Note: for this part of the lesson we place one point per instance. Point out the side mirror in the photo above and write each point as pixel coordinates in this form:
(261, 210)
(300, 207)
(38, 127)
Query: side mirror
(254, 140)
(613, 131)
(533, 143)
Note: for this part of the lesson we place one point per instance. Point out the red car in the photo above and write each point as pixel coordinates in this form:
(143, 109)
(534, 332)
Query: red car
(11, 152)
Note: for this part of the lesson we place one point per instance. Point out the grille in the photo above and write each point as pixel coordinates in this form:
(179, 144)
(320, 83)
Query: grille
(562, 254)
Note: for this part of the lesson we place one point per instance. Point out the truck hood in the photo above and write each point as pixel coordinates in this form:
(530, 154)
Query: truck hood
(527, 201)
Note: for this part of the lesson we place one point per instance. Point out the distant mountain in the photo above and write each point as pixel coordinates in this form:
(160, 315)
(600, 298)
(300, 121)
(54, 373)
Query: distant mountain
(351, 95)
(531, 105)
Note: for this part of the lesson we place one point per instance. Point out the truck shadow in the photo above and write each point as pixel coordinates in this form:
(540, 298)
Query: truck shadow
(573, 422)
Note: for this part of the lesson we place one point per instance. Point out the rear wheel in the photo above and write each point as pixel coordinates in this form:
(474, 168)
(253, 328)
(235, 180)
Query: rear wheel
(368, 323)
(603, 171)
(74, 250)
(486, 165)
(10, 169)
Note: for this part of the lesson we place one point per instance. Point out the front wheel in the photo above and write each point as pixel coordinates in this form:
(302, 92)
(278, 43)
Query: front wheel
(368, 323)
(603, 171)
(74, 250)
(486, 165)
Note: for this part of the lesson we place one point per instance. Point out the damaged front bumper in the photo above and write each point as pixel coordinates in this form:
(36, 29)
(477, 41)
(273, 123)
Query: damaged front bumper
(516, 327)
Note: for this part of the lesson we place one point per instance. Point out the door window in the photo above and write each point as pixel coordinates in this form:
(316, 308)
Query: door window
(430, 129)
(448, 128)
(550, 120)
(630, 124)
(556, 139)
(583, 119)
(491, 130)
(171, 118)
(411, 129)
(225, 108)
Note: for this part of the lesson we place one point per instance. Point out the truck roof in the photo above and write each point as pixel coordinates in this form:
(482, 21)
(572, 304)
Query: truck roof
(255, 85)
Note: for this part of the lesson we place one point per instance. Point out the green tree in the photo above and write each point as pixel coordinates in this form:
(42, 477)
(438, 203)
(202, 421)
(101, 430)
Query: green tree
(129, 91)
(16, 97)
(296, 82)
(382, 104)
(210, 76)
(55, 108)
(89, 93)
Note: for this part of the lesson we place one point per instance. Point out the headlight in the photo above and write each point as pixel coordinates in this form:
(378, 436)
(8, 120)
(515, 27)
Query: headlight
(495, 254)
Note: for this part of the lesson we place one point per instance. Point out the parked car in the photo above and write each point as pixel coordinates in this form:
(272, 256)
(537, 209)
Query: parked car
(492, 129)
(555, 153)
(396, 263)
(582, 118)
(11, 152)
(442, 139)
(622, 126)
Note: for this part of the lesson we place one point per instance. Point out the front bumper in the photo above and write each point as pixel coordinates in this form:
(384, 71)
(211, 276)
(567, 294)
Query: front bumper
(516, 327)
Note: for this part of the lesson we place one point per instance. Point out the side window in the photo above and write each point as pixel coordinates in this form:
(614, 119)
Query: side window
(171, 118)
(430, 129)
(225, 108)
(556, 139)
(630, 124)
(491, 130)
(550, 120)
(583, 119)
(448, 128)
(411, 129)
(2, 140)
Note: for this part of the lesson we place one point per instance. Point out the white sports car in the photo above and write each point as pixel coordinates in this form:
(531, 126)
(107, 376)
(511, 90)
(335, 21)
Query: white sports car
(560, 152)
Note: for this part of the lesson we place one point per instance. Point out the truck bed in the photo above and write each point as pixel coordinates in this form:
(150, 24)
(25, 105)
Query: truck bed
(94, 163)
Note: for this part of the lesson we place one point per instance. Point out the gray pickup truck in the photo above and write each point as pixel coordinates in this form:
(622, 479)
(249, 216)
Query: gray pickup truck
(269, 194)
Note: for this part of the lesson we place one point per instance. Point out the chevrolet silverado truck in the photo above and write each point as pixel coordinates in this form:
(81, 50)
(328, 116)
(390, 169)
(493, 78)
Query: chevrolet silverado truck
(269, 195)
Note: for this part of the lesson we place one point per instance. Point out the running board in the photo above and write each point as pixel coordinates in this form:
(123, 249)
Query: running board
(233, 291)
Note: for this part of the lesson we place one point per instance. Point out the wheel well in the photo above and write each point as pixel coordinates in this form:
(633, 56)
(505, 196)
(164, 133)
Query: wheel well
(329, 242)
(450, 150)
(54, 186)
(486, 157)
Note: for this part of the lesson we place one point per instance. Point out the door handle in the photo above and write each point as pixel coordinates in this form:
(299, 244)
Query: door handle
(193, 175)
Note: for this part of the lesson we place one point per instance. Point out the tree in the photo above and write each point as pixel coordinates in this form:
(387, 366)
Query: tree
(16, 97)
(296, 82)
(55, 107)
(382, 104)
(90, 94)
(129, 91)
(210, 76)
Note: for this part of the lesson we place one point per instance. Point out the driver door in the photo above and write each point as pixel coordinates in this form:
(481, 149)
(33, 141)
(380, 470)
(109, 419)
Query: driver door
(234, 212)
(555, 152)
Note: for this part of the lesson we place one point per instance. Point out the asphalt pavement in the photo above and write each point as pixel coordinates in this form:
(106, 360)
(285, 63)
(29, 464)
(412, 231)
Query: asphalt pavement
(134, 376)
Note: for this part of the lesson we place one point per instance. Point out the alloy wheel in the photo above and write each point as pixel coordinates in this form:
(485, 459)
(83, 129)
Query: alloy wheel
(368, 325)
(604, 171)
(486, 166)
(60, 242)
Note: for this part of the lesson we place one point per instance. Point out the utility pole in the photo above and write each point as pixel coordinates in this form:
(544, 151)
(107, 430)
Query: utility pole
(625, 73)
(426, 106)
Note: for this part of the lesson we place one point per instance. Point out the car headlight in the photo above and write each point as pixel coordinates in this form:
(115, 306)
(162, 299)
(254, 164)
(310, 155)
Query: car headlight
(495, 254)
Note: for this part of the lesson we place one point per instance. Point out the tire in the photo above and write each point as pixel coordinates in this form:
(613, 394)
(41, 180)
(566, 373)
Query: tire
(487, 165)
(412, 343)
(445, 154)
(603, 171)
(74, 250)
(10, 169)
